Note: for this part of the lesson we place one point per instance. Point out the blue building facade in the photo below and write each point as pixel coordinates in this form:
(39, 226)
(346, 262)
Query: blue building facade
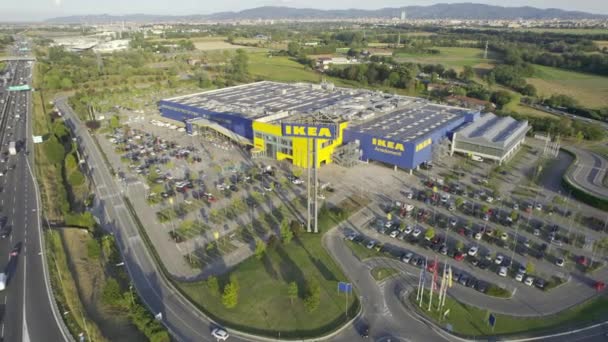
(404, 154)
(183, 113)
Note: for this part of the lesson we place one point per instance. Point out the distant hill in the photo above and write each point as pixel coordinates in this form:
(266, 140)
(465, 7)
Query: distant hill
(439, 11)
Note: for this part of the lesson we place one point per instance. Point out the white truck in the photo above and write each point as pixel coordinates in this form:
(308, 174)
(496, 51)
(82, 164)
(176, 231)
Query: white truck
(2, 281)
(12, 149)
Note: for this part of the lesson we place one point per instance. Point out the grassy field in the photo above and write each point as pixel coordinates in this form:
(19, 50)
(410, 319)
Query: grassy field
(263, 301)
(90, 278)
(589, 90)
(66, 290)
(472, 321)
(381, 273)
(601, 43)
(451, 57)
(279, 68)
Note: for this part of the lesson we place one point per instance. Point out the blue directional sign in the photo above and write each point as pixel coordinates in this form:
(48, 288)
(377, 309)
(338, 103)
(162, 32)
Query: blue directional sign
(492, 320)
(345, 287)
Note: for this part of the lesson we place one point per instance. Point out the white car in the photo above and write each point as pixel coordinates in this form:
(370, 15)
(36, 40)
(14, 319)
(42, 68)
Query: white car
(407, 257)
(499, 259)
(504, 236)
(394, 233)
(371, 244)
(473, 251)
(489, 199)
(529, 281)
(515, 206)
(477, 236)
(220, 334)
(560, 262)
(388, 224)
(409, 195)
(417, 232)
(352, 236)
(538, 206)
(502, 271)
(408, 230)
(519, 277)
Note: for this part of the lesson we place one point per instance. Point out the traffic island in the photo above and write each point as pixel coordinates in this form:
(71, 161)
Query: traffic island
(473, 322)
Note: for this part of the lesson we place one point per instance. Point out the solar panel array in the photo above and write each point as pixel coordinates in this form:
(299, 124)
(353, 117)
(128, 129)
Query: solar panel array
(410, 123)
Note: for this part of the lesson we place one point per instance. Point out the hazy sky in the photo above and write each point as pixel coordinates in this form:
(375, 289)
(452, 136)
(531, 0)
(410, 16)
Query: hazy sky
(26, 10)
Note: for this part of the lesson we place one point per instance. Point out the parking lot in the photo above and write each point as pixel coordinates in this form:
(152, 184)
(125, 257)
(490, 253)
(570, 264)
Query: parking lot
(205, 201)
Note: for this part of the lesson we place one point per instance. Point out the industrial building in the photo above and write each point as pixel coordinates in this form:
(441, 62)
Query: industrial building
(491, 137)
(279, 120)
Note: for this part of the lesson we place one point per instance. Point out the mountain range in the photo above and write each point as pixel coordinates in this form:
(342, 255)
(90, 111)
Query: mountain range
(438, 11)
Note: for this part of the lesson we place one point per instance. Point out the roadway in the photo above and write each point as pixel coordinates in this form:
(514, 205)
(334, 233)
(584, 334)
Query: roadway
(27, 308)
(180, 317)
(588, 172)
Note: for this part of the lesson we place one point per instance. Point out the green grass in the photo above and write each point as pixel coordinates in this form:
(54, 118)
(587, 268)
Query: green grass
(590, 90)
(263, 302)
(280, 68)
(264, 306)
(472, 321)
(451, 57)
(381, 273)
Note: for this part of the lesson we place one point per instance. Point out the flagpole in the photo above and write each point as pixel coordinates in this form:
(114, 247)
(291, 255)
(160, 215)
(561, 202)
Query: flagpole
(423, 280)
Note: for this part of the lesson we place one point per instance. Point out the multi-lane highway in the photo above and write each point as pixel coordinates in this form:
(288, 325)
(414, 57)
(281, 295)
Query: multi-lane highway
(27, 308)
(588, 172)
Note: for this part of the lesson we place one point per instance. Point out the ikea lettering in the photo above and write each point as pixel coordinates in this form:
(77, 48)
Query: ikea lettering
(388, 144)
(323, 132)
(423, 144)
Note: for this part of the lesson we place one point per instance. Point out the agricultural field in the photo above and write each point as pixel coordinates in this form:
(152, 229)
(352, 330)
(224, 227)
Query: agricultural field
(601, 43)
(280, 68)
(589, 90)
(451, 57)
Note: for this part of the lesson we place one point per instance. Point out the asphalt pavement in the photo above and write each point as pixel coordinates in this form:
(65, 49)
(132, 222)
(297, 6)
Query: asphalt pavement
(27, 302)
(589, 171)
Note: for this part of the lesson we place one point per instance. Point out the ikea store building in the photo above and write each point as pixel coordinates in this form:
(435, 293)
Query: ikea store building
(278, 120)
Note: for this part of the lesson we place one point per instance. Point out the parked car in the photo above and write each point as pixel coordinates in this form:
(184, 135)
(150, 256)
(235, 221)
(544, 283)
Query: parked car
(473, 251)
(407, 257)
(499, 259)
(370, 244)
(529, 280)
(220, 334)
(502, 271)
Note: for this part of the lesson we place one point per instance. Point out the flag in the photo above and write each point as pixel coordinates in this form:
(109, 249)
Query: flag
(389, 216)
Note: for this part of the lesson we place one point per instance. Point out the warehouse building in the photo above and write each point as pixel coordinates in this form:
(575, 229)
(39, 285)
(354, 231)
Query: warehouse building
(276, 120)
(491, 137)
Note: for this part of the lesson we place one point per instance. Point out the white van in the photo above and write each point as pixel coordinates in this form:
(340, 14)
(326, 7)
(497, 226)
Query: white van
(476, 158)
(2, 281)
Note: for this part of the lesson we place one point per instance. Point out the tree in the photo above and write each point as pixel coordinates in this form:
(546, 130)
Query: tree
(459, 245)
(230, 298)
(293, 49)
(202, 79)
(54, 150)
(579, 137)
(260, 248)
(458, 201)
(114, 122)
(240, 66)
(213, 285)
(429, 234)
(501, 98)
(313, 296)
(467, 73)
(529, 267)
(292, 291)
(286, 233)
(111, 294)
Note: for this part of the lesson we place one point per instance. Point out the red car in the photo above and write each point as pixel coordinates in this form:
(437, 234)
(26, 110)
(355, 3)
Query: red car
(599, 286)
(458, 256)
(431, 266)
(582, 260)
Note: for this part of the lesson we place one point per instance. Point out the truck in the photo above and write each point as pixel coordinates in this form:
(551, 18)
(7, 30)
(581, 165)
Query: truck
(2, 281)
(11, 148)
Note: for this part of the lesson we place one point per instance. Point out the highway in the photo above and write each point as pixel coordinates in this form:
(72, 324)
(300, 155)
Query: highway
(26, 302)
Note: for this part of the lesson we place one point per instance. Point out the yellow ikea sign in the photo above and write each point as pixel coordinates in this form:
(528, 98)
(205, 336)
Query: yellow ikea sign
(388, 144)
(310, 131)
(423, 144)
